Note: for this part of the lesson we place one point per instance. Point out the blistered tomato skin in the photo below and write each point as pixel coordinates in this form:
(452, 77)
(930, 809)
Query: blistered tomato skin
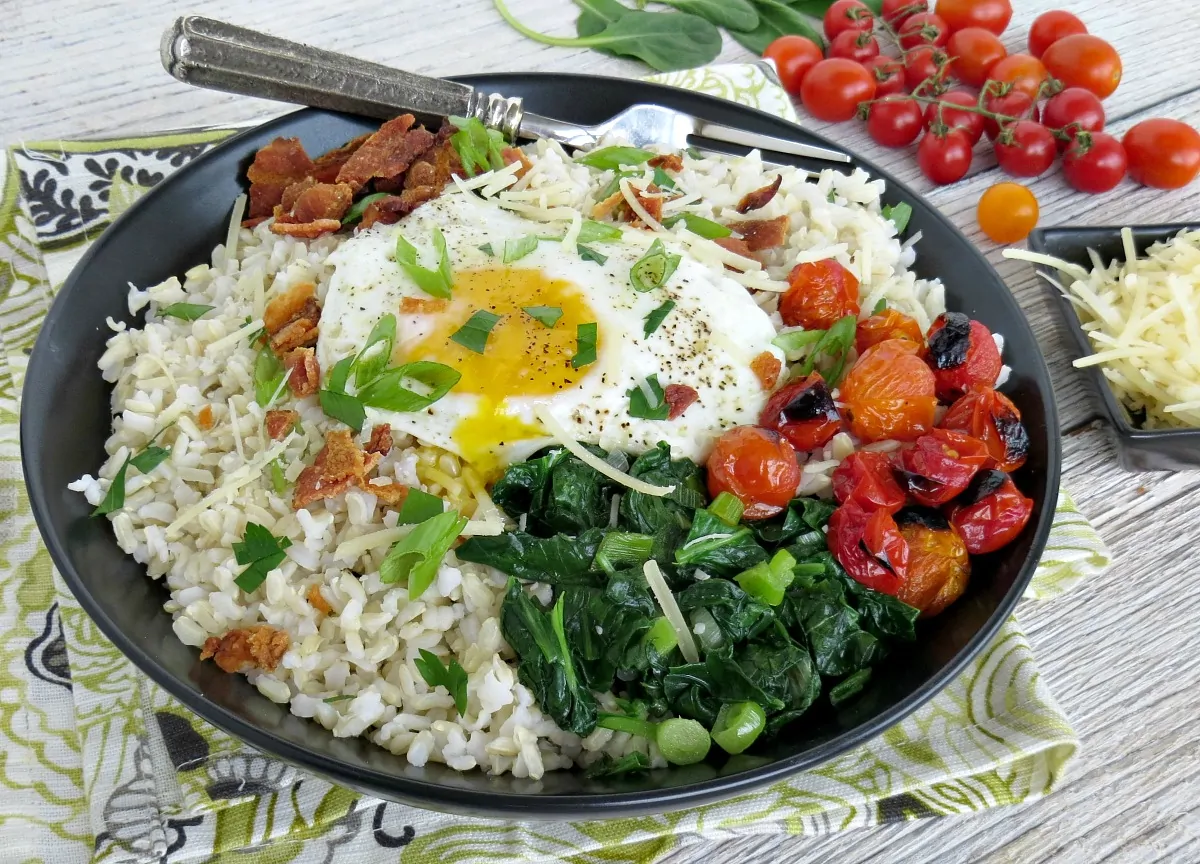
(990, 513)
(888, 324)
(938, 466)
(890, 393)
(866, 479)
(962, 355)
(991, 417)
(820, 293)
(939, 565)
(869, 546)
(804, 413)
(757, 466)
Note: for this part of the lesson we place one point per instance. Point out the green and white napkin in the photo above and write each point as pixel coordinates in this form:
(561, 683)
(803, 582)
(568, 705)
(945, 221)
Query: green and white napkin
(97, 763)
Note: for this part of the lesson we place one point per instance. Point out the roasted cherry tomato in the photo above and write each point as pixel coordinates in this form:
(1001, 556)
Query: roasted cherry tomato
(804, 413)
(890, 393)
(888, 324)
(869, 546)
(866, 479)
(938, 562)
(962, 355)
(989, 416)
(820, 294)
(991, 513)
(939, 465)
(756, 466)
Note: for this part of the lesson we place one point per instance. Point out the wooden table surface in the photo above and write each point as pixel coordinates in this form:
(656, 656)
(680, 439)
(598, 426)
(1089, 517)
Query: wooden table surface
(1119, 653)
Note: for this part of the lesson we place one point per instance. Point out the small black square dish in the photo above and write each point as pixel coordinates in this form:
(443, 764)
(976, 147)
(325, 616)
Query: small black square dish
(1138, 449)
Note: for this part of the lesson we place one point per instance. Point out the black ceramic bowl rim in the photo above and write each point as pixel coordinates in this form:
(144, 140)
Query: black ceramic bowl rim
(509, 804)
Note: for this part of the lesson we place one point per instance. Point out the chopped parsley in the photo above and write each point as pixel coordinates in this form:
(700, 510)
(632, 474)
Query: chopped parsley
(587, 253)
(145, 460)
(898, 214)
(585, 349)
(338, 404)
(342, 698)
(880, 307)
(452, 677)
(698, 225)
(487, 249)
(547, 316)
(591, 231)
(654, 268)
(419, 506)
(436, 282)
(268, 375)
(474, 334)
(415, 558)
(260, 552)
(647, 401)
(185, 311)
(278, 480)
(515, 250)
(655, 319)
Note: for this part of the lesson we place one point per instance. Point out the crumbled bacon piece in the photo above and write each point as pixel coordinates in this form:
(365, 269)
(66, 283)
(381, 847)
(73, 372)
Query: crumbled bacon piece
(327, 165)
(422, 305)
(313, 202)
(515, 154)
(679, 397)
(423, 181)
(736, 245)
(653, 205)
(304, 373)
(204, 418)
(339, 465)
(616, 205)
(291, 193)
(261, 646)
(390, 210)
(291, 319)
(275, 167)
(608, 206)
(766, 367)
(759, 197)
(387, 153)
(763, 233)
(306, 230)
(389, 494)
(667, 162)
(317, 600)
(279, 422)
(381, 440)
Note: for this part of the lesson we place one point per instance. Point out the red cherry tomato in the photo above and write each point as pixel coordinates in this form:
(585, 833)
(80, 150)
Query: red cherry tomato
(895, 121)
(945, 158)
(925, 71)
(888, 324)
(1025, 149)
(1015, 103)
(888, 73)
(804, 413)
(962, 355)
(757, 466)
(938, 466)
(1023, 72)
(991, 512)
(896, 12)
(890, 393)
(975, 51)
(924, 28)
(832, 89)
(1084, 60)
(967, 121)
(869, 546)
(848, 15)
(820, 293)
(794, 57)
(939, 565)
(1163, 153)
(1095, 162)
(866, 478)
(1049, 27)
(1072, 111)
(991, 15)
(859, 47)
(989, 416)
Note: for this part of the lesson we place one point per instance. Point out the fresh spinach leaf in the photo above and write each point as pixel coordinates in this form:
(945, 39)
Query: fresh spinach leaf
(775, 19)
(831, 627)
(730, 14)
(740, 616)
(718, 549)
(556, 493)
(608, 766)
(652, 514)
(557, 560)
(802, 516)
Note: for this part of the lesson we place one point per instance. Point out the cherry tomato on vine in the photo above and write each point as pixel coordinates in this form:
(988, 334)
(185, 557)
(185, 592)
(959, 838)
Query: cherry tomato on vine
(1084, 60)
(869, 546)
(1014, 103)
(990, 15)
(888, 324)
(819, 293)
(896, 12)
(848, 15)
(989, 416)
(944, 158)
(1095, 162)
(794, 56)
(895, 121)
(1072, 111)
(939, 565)
(866, 479)
(832, 89)
(889, 393)
(888, 73)
(991, 513)
(1049, 27)
(1163, 153)
(962, 354)
(756, 466)
(928, 67)
(1007, 212)
(853, 45)
(968, 121)
(1025, 149)
(975, 51)
(939, 465)
(804, 413)
(924, 28)
(1025, 73)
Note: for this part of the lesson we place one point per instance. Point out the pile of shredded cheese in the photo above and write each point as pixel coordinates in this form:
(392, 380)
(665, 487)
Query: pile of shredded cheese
(1142, 318)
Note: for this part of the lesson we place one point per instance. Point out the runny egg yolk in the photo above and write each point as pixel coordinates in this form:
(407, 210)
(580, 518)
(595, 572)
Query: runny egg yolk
(522, 357)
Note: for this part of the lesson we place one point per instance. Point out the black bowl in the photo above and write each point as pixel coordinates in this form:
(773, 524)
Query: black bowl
(65, 421)
(1138, 449)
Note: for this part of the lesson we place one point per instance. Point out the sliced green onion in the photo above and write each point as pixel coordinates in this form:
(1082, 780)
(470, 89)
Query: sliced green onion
(655, 319)
(706, 630)
(728, 508)
(768, 580)
(341, 698)
(738, 725)
(663, 180)
(621, 549)
(589, 254)
(479, 148)
(268, 375)
(278, 480)
(359, 207)
(474, 334)
(647, 401)
(699, 225)
(682, 741)
(880, 307)
(611, 158)
(487, 249)
(835, 344)
(416, 557)
(654, 268)
(661, 636)
(376, 353)
(185, 311)
(898, 215)
(389, 393)
(515, 250)
(419, 506)
(343, 408)
(547, 316)
(591, 231)
(849, 687)
(436, 282)
(585, 349)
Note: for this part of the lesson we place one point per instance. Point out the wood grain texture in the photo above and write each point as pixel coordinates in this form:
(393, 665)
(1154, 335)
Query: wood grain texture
(1119, 653)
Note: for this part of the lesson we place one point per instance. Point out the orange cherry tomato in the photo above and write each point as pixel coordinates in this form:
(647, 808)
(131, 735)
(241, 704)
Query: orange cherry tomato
(820, 294)
(991, 15)
(804, 413)
(1007, 212)
(975, 51)
(888, 324)
(989, 416)
(890, 393)
(939, 565)
(1086, 61)
(869, 546)
(991, 513)
(794, 56)
(962, 355)
(757, 466)
(866, 478)
(1023, 72)
(1049, 27)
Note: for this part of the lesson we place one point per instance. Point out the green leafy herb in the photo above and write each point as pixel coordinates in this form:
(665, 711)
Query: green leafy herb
(259, 552)
(388, 392)
(587, 253)
(880, 307)
(654, 268)
(268, 376)
(278, 480)
(899, 214)
(730, 14)
(336, 403)
(547, 316)
(611, 158)
(663, 180)
(608, 766)
(185, 311)
(834, 345)
(585, 350)
(775, 19)
(515, 250)
(359, 207)
(655, 319)
(712, 546)
(419, 506)
(647, 401)
(474, 334)
(591, 231)
(436, 282)
(699, 225)
(556, 493)
(557, 560)
(145, 460)
(376, 353)
(793, 342)
(453, 677)
(832, 196)
(340, 698)
(479, 148)
(487, 249)
(416, 557)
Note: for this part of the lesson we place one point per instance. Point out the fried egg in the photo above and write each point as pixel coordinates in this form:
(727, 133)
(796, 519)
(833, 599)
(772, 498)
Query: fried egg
(707, 341)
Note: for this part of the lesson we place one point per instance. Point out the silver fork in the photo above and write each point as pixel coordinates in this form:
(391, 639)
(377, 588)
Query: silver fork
(220, 56)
